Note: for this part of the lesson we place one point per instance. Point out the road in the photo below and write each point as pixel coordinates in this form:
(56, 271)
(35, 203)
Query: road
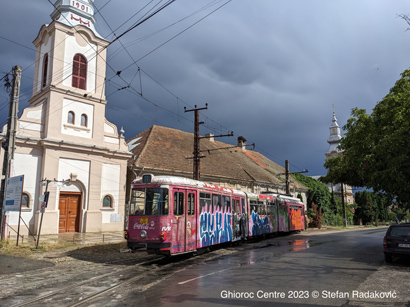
(344, 268)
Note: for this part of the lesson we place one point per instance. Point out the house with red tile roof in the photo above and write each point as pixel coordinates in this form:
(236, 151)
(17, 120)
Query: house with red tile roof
(166, 151)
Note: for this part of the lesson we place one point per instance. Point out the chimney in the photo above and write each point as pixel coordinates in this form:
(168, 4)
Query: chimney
(210, 137)
(242, 143)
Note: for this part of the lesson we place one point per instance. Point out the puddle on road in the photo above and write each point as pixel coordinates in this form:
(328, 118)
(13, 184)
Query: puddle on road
(296, 245)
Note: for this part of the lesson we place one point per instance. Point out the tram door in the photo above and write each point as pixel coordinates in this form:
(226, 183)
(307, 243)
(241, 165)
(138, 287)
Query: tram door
(184, 225)
(236, 221)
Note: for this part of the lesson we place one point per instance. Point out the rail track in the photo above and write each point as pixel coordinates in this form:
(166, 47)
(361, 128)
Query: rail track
(93, 281)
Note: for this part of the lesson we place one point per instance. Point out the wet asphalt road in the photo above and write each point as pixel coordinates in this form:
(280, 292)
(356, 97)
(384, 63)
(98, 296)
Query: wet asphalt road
(308, 269)
(299, 270)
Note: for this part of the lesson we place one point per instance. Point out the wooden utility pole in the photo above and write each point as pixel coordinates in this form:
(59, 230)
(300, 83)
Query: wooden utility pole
(287, 177)
(10, 143)
(197, 158)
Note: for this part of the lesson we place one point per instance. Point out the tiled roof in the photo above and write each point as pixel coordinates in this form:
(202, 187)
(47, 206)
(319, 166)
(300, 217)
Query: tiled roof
(167, 149)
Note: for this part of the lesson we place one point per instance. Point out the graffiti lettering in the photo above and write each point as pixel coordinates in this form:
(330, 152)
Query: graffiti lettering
(283, 224)
(296, 220)
(215, 228)
(261, 225)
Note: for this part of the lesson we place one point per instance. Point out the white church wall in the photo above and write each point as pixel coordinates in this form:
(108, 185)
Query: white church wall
(110, 185)
(78, 108)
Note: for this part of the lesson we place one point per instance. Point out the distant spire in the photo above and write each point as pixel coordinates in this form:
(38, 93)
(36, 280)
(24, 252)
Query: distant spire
(74, 13)
(335, 135)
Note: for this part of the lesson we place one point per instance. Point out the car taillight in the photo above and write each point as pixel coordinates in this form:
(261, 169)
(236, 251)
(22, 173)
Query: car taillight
(126, 235)
(163, 236)
(384, 243)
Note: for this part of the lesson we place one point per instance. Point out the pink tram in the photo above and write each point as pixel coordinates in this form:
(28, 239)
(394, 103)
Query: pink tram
(173, 215)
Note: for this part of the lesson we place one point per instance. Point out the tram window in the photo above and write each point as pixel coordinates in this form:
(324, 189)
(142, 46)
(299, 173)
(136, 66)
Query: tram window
(156, 202)
(149, 202)
(243, 205)
(191, 204)
(204, 202)
(254, 206)
(236, 205)
(216, 203)
(178, 203)
(227, 204)
(137, 202)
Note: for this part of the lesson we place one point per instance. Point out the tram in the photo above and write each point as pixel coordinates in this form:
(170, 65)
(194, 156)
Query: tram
(172, 215)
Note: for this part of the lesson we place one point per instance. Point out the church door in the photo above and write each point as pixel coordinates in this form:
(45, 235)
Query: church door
(70, 212)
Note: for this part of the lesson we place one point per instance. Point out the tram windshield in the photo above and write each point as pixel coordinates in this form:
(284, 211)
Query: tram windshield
(149, 201)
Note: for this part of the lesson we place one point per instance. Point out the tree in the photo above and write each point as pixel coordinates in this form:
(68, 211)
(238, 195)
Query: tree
(376, 146)
(318, 192)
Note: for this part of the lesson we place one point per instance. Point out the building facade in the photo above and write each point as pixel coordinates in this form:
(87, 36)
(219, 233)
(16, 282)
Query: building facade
(64, 143)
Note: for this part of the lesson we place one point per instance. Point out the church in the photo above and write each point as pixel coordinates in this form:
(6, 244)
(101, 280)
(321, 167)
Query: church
(333, 151)
(64, 143)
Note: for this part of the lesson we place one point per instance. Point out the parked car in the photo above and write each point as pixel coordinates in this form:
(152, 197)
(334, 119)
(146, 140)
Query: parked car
(396, 242)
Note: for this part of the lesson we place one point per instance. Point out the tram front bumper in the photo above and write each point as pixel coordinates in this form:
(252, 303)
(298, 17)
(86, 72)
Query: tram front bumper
(134, 245)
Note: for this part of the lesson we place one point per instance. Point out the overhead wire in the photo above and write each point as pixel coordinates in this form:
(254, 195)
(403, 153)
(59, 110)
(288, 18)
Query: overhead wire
(131, 28)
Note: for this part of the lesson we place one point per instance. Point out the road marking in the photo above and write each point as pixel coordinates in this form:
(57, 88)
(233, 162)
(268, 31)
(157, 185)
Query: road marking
(199, 277)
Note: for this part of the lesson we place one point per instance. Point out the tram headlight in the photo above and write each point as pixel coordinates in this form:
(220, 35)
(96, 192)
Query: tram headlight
(143, 234)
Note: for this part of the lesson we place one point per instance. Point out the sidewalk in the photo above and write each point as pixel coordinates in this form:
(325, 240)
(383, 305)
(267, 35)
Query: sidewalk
(74, 237)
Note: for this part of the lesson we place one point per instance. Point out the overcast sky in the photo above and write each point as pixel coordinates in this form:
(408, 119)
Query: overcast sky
(270, 70)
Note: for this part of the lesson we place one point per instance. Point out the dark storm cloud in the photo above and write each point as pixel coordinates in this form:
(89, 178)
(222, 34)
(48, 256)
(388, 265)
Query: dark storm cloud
(270, 70)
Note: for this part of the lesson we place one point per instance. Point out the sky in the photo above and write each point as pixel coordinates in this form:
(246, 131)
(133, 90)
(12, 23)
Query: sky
(269, 70)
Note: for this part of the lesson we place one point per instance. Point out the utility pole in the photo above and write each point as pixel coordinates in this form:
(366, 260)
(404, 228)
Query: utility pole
(287, 176)
(343, 206)
(197, 158)
(10, 143)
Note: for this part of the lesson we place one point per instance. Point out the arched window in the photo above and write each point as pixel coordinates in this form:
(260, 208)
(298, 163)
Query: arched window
(71, 117)
(79, 72)
(107, 202)
(84, 120)
(45, 69)
(25, 200)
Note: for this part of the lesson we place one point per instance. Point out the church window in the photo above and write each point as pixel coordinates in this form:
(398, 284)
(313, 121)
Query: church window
(84, 120)
(79, 72)
(45, 69)
(71, 117)
(107, 202)
(25, 200)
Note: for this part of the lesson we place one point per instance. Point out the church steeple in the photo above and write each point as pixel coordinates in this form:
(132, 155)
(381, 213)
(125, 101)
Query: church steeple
(335, 136)
(75, 12)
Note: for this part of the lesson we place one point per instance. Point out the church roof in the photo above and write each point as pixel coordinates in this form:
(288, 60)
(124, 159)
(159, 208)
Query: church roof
(167, 149)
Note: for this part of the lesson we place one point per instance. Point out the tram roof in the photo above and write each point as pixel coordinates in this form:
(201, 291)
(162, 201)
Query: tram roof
(183, 181)
(187, 182)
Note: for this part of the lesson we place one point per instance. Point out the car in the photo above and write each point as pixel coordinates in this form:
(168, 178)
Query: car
(396, 242)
